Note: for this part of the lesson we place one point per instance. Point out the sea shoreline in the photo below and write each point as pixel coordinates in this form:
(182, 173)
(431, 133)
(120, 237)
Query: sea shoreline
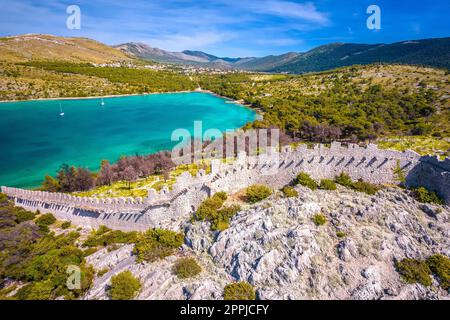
(226, 99)
(127, 95)
(238, 102)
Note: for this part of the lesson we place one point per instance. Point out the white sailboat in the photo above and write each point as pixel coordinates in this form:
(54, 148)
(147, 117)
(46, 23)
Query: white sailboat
(61, 113)
(102, 103)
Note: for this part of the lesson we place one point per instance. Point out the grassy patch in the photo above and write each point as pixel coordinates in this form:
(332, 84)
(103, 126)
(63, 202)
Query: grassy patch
(361, 186)
(186, 268)
(289, 192)
(257, 193)
(44, 221)
(124, 286)
(319, 219)
(440, 266)
(341, 234)
(414, 271)
(214, 211)
(140, 187)
(426, 196)
(157, 244)
(105, 237)
(305, 180)
(102, 272)
(239, 291)
(327, 184)
(423, 145)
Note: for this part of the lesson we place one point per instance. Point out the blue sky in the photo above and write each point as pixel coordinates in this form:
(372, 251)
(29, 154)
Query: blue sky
(230, 27)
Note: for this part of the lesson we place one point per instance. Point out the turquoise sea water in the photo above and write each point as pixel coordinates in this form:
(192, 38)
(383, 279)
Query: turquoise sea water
(35, 140)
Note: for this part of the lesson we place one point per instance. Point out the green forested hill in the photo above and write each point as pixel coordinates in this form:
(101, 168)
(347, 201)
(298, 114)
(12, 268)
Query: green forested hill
(429, 52)
(352, 103)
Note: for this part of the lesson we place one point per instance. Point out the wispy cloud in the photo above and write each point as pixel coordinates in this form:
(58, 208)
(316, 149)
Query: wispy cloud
(304, 11)
(179, 42)
(224, 27)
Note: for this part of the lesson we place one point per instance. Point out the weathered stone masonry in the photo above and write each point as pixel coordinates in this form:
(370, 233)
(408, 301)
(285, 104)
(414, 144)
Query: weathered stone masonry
(276, 169)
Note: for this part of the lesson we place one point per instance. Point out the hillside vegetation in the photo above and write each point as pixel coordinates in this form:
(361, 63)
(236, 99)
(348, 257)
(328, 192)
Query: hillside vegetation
(37, 47)
(429, 52)
(33, 80)
(426, 52)
(354, 103)
(376, 102)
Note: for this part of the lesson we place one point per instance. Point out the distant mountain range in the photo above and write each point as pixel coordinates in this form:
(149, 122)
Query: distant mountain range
(431, 52)
(143, 51)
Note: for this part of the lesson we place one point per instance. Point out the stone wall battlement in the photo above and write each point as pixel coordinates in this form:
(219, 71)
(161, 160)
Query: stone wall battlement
(273, 168)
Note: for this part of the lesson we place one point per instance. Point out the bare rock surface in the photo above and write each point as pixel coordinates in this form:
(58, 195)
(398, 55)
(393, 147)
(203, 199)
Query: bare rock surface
(277, 248)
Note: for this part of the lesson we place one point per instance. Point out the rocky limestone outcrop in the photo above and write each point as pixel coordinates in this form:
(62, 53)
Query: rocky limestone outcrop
(277, 248)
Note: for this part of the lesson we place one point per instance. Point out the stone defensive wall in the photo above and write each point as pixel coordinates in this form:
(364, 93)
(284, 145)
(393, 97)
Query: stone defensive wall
(167, 208)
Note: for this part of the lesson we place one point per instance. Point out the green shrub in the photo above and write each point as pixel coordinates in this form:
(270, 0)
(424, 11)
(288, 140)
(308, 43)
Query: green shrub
(102, 272)
(44, 221)
(239, 291)
(23, 215)
(186, 268)
(290, 192)
(222, 221)
(124, 286)
(305, 180)
(3, 198)
(47, 272)
(400, 174)
(361, 186)
(221, 195)
(257, 192)
(89, 251)
(207, 210)
(414, 271)
(341, 234)
(344, 180)
(105, 237)
(212, 210)
(24, 292)
(326, 184)
(41, 290)
(440, 265)
(366, 187)
(39, 260)
(157, 244)
(65, 225)
(426, 196)
(319, 219)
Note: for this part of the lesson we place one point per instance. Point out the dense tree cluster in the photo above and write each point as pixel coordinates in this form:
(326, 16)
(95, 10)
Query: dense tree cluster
(30, 253)
(70, 179)
(157, 244)
(143, 80)
(420, 271)
(336, 108)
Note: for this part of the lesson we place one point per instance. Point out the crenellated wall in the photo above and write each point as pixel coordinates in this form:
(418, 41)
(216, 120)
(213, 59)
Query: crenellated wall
(276, 169)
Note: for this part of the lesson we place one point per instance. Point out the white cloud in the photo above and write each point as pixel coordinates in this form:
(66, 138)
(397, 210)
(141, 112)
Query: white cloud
(179, 42)
(304, 11)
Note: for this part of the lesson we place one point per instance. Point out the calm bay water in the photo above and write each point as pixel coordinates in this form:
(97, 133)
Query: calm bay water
(35, 140)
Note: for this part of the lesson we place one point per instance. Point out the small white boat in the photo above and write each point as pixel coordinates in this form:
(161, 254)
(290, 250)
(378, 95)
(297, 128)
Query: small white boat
(102, 103)
(61, 112)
